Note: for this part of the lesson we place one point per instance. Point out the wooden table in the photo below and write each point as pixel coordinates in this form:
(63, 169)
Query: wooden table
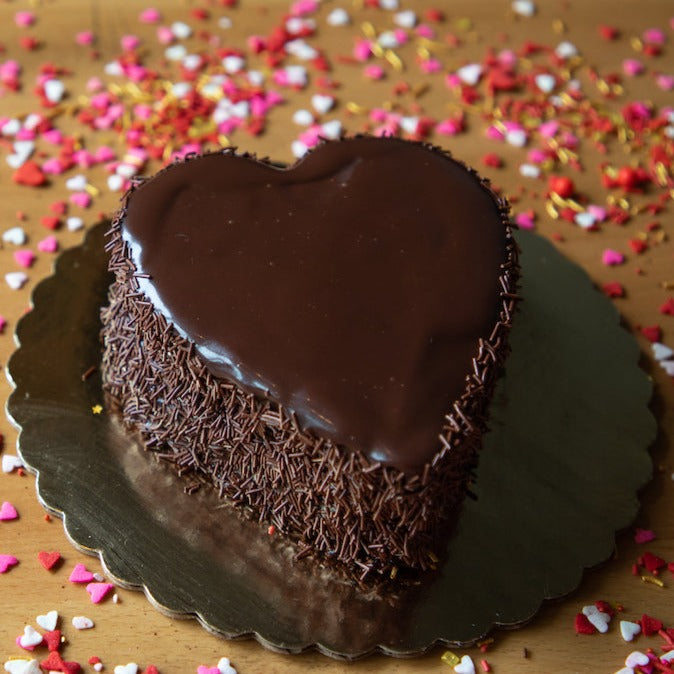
(131, 630)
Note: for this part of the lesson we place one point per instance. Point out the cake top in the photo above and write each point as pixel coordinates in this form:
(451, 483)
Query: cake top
(352, 287)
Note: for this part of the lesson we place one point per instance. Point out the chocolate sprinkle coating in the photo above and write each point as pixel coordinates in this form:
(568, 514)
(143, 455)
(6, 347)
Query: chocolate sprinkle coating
(332, 501)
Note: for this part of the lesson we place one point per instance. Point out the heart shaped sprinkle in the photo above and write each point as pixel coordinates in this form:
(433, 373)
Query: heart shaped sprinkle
(8, 512)
(628, 630)
(470, 74)
(49, 560)
(16, 279)
(583, 626)
(24, 258)
(205, 669)
(19, 666)
(225, 667)
(545, 82)
(612, 257)
(466, 666)
(636, 658)
(338, 17)
(98, 591)
(81, 199)
(10, 462)
(29, 173)
(81, 622)
(660, 352)
(668, 656)
(48, 621)
(74, 223)
(15, 235)
(80, 574)
(77, 183)
(524, 7)
(130, 668)
(598, 619)
(6, 562)
(322, 103)
(625, 670)
(48, 245)
(30, 638)
(53, 639)
(54, 90)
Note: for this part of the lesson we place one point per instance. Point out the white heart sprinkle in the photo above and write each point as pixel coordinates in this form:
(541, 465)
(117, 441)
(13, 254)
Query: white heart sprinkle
(225, 667)
(48, 621)
(299, 149)
(301, 50)
(15, 235)
(529, 171)
(15, 160)
(114, 68)
(32, 121)
(22, 667)
(224, 22)
(524, 7)
(255, 77)
(126, 170)
(24, 148)
(81, 622)
(470, 74)
(406, 19)
(338, 17)
(466, 666)
(584, 219)
(302, 117)
(625, 670)
(332, 129)
(599, 619)
(636, 658)
(16, 279)
(181, 30)
(322, 103)
(297, 75)
(30, 637)
(233, 63)
(54, 90)
(181, 89)
(296, 24)
(668, 656)
(629, 630)
(409, 124)
(516, 137)
(74, 223)
(566, 49)
(389, 4)
(11, 127)
(77, 183)
(388, 40)
(176, 52)
(545, 82)
(10, 462)
(192, 61)
(130, 668)
(661, 351)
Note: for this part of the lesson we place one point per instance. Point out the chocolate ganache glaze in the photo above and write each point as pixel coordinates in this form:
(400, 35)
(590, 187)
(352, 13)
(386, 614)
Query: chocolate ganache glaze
(351, 288)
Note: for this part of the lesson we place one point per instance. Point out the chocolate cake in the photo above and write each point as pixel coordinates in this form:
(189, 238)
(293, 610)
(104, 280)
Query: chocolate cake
(320, 341)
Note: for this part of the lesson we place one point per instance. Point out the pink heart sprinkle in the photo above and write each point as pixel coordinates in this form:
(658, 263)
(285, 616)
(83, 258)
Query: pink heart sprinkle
(80, 574)
(7, 561)
(24, 19)
(633, 67)
(84, 38)
(129, 42)
(53, 136)
(525, 220)
(3, 324)
(48, 245)
(8, 512)
(644, 536)
(149, 15)
(665, 82)
(165, 35)
(97, 591)
(612, 257)
(654, 36)
(81, 199)
(204, 669)
(24, 258)
(373, 72)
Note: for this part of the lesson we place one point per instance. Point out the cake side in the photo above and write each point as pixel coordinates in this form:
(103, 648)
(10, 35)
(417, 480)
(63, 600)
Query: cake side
(331, 500)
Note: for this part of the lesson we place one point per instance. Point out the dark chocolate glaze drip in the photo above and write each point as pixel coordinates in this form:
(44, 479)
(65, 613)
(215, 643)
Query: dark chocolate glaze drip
(352, 288)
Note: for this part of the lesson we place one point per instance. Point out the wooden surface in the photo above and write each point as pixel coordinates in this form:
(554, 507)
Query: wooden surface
(131, 630)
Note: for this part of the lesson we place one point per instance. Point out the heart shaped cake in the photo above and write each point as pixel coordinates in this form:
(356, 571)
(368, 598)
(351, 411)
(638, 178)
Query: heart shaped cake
(319, 341)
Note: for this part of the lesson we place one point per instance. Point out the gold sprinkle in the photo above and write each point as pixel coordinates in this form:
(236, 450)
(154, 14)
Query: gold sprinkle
(377, 49)
(574, 205)
(563, 155)
(224, 140)
(464, 23)
(168, 151)
(642, 236)
(485, 642)
(661, 173)
(432, 557)
(424, 53)
(368, 30)
(451, 659)
(652, 580)
(97, 409)
(603, 87)
(558, 26)
(624, 203)
(91, 190)
(393, 59)
(354, 108)
(618, 89)
(551, 210)
(394, 573)
(637, 44)
(661, 236)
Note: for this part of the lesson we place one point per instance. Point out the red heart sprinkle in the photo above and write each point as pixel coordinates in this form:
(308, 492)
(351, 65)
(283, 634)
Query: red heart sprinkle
(29, 173)
(49, 559)
(150, 669)
(52, 639)
(649, 626)
(652, 333)
(604, 607)
(583, 625)
(668, 307)
(652, 562)
(50, 221)
(613, 289)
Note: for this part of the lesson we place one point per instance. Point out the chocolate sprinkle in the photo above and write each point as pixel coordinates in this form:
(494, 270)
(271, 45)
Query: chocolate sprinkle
(332, 501)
